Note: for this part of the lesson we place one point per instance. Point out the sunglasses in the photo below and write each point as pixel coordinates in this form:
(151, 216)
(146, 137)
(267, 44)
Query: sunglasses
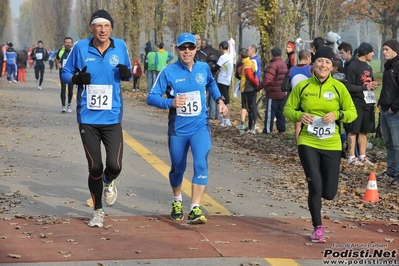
(190, 47)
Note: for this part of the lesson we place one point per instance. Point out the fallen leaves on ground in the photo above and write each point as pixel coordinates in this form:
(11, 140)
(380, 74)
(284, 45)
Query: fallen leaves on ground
(277, 154)
(278, 151)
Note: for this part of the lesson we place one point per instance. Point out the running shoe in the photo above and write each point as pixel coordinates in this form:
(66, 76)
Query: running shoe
(395, 180)
(69, 109)
(196, 216)
(384, 175)
(177, 211)
(15, 81)
(39, 88)
(63, 110)
(251, 131)
(110, 193)
(355, 161)
(366, 160)
(318, 235)
(97, 218)
(241, 127)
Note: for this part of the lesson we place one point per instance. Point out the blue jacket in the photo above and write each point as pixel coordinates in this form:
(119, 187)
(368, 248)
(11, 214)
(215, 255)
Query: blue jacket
(103, 71)
(177, 79)
(11, 56)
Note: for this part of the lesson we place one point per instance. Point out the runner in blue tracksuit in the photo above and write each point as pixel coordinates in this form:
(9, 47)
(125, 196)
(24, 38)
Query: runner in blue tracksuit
(97, 65)
(185, 83)
(11, 59)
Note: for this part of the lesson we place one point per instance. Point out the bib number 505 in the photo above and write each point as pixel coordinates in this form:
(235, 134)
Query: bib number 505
(320, 131)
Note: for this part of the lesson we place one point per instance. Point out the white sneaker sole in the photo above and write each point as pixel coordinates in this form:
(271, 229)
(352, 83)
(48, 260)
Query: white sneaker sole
(112, 199)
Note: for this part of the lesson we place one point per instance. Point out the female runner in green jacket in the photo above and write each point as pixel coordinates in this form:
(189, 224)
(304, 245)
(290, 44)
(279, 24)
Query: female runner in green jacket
(320, 102)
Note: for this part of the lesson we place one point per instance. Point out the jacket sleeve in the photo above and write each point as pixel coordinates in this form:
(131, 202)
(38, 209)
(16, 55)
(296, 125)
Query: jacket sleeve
(268, 77)
(212, 87)
(72, 65)
(170, 57)
(347, 106)
(251, 77)
(350, 76)
(292, 60)
(155, 98)
(292, 110)
(395, 104)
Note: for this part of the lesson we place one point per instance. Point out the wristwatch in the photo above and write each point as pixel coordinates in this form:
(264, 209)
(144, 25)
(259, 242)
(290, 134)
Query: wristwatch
(341, 115)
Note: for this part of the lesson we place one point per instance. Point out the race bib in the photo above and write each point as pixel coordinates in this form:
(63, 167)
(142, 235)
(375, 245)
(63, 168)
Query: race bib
(39, 56)
(99, 97)
(192, 106)
(369, 96)
(321, 130)
(63, 62)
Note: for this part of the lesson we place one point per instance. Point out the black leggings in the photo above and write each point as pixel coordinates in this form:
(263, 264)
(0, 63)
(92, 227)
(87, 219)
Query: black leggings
(111, 137)
(321, 168)
(249, 100)
(39, 69)
(136, 82)
(63, 91)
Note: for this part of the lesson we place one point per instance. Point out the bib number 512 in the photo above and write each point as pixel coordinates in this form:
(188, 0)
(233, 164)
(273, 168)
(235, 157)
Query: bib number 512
(99, 100)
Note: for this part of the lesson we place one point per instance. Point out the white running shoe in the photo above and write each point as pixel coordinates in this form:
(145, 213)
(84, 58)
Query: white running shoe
(366, 160)
(251, 131)
(97, 218)
(110, 193)
(39, 88)
(69, 109)
(63, 110)
(15, 81)
(355, 161)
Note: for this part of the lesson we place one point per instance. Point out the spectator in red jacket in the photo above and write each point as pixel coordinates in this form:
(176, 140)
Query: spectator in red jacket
(136, 72)
(276, 98)
(290, 50)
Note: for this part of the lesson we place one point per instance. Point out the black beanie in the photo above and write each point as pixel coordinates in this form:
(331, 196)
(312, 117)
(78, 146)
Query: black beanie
(276, 51)
(393, 44)
(325, 52)
(364, 48)
(102, 14)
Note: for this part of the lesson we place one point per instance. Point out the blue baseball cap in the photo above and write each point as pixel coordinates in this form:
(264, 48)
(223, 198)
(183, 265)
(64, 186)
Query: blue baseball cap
(185, 37)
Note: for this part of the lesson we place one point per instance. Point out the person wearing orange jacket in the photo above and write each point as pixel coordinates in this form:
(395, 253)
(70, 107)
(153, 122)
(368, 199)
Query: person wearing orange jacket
(136, 72)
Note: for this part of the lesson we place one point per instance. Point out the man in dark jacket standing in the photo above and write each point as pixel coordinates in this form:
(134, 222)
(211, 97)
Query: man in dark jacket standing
(272, 81)
(389, 107)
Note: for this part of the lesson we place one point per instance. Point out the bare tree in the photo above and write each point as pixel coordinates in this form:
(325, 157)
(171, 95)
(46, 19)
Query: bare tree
(5, 15)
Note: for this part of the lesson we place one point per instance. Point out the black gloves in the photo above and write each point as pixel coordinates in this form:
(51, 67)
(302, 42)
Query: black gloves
(124, 72)
(81, 77)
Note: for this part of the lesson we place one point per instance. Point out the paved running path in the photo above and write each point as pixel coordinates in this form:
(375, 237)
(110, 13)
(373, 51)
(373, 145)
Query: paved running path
(43, 208)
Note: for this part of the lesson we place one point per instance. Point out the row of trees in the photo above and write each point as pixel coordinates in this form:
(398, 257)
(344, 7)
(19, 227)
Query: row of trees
(276, 20)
